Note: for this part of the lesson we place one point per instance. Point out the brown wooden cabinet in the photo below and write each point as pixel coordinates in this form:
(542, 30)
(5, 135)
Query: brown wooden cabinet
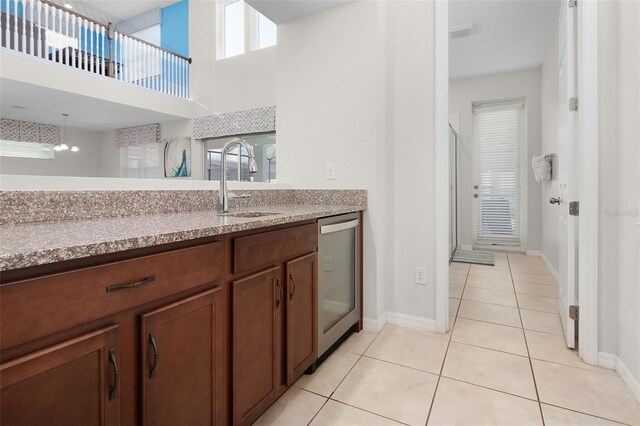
(301, 316)
(182, 362)
(73, 382)
(257, 305)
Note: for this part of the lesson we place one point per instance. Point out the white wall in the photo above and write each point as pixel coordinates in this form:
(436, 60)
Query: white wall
(619, 136)
(355, 88)
(86, 163)
(462, 93)
(550, 76)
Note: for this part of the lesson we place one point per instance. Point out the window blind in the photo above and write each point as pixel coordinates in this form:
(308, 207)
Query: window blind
(498, 129)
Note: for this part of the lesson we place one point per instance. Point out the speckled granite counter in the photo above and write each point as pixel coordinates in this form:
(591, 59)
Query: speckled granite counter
(36, 243)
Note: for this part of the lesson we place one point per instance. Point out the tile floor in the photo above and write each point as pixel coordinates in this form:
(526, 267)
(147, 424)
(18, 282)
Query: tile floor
(504, 362)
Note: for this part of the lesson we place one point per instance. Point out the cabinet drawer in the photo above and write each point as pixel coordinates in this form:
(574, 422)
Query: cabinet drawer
(38, 307)
(264, 249)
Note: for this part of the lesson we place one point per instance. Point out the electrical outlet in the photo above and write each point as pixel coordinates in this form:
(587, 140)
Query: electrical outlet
(331, 171)
(421, 276)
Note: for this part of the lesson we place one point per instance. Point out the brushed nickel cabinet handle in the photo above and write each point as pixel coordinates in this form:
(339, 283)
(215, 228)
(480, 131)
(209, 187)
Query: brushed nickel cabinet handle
(280, 293)
(145, 280)
(293, 290)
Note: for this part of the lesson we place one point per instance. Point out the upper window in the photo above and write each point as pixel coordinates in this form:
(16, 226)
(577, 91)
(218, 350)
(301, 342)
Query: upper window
(241, 28)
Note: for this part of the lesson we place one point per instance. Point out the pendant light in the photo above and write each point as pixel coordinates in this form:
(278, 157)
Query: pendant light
(63, 146)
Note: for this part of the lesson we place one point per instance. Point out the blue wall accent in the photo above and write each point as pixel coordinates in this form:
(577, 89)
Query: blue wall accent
(175, 28)
(11, 7)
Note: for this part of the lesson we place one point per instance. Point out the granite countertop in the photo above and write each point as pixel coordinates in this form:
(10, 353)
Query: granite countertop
(31, 244)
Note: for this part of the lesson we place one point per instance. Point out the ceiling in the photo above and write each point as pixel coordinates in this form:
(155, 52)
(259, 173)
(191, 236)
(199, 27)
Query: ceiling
(509, 35)
(44, 105)
(281, 11)
(113, 10)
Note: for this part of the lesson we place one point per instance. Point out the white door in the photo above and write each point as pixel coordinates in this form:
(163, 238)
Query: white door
(499, 129)
(567, 166)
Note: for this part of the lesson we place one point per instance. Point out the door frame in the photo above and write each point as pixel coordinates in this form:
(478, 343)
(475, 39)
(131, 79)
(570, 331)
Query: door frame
(587, 177)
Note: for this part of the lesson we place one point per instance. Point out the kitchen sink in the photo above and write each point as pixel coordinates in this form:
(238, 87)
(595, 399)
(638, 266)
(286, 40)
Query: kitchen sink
(250, 214)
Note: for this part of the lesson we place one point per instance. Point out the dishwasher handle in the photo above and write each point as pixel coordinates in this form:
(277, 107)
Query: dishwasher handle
(337, 227)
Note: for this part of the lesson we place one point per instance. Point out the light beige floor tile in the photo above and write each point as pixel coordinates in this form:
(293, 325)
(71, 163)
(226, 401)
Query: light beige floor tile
(330, 373)
(501, 263)
(357, 343)
(399, 393)
(538, 303)
(541, 321)
(497, 314)
(497, 297)
(457, 279)
(553, 348)
(489, 272)
(335, 413)
(453, 305)
(455, 291)
(409, 348)
(460, 404)
(554, 416)
(499, 255)
(492, 336)
(536, 289)
(484, 367)
(534, 278)
(519, 256)
(459, 268)
(295, 407)
(527, 260)
(490, 283)
(590, 392)
(442, 336)
(530, 269)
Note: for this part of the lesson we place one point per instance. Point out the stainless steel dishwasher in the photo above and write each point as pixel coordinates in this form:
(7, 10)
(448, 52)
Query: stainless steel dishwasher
(338, 277)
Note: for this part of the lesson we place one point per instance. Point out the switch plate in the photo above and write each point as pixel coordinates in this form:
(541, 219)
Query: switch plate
(421, 276)
(331, 171)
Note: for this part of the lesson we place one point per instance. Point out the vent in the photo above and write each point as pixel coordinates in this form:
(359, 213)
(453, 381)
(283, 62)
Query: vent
(462, 31)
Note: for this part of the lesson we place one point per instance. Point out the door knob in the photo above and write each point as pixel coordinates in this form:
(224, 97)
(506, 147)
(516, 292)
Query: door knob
(475, 195)
(475, 186)
(554, 200)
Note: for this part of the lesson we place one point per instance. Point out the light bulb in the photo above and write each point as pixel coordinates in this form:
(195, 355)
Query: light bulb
(64, 147)
(75, 148)
(57, 147)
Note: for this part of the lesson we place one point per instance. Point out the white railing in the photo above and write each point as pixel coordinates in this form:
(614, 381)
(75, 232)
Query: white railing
(48, 31)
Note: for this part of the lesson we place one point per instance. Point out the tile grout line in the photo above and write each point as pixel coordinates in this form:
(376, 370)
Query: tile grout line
(446, 352)
(524, 335)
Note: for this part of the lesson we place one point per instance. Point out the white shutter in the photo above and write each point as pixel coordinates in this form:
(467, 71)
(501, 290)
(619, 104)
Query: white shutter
(498, 129)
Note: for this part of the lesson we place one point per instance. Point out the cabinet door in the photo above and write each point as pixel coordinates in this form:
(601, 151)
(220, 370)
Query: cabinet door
(183, 362)
(301, 316)
(258, 302)
(71, 383)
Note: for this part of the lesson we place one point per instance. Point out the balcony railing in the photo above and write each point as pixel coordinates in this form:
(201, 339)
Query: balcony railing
(54, 33)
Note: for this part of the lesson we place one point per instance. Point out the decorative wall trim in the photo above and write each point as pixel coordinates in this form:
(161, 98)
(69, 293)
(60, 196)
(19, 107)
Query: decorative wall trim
(257, 120)
(138, 135)
(375, 325)
(606, 360)
(27, 131)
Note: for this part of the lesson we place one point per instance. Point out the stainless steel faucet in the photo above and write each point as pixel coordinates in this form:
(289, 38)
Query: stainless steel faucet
(253, 168)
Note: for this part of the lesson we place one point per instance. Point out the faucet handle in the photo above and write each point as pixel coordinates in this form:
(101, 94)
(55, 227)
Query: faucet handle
(234, 196)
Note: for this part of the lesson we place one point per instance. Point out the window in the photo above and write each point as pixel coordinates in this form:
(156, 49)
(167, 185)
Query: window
(499, 139)
(264, 148)
(241, 28)
(140, 162)
(43, 151)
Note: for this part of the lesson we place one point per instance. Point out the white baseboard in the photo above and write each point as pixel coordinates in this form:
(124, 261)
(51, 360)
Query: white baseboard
(614, 362)
(374, 325)
(632, 382)
(550, 267)
(410, 321)
(537, 253)
(606, 360)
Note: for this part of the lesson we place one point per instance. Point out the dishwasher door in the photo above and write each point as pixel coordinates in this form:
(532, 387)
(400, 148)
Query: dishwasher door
(338, 277)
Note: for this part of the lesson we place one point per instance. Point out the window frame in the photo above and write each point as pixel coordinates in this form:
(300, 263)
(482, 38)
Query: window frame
(251, 30)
